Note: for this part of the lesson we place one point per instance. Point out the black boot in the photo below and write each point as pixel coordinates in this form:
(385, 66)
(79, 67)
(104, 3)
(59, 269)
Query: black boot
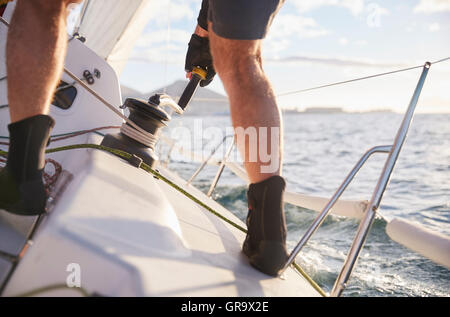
(265, 244)
(22, 189)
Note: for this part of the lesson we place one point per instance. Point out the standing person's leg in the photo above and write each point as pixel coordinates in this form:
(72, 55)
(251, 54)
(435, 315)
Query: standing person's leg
(36, 47)
(252, 104)
(236, 52)
(35, 52)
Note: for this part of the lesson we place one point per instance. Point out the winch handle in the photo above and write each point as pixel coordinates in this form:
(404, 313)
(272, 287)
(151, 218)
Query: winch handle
(198, 74)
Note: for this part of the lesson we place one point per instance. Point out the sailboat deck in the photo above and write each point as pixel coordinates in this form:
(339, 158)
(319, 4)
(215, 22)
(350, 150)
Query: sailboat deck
(134, 235)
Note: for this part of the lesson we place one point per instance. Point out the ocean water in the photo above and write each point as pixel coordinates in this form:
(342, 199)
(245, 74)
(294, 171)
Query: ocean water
(320, 149)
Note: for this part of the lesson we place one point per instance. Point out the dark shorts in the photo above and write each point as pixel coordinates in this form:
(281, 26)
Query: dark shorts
(242, 19)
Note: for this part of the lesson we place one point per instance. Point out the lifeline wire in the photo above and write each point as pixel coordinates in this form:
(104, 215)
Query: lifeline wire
(357, 79)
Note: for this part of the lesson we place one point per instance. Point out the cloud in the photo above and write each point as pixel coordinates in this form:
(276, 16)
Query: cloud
(160, 41)
(334, 61)
(432, 6)
(343, 41)
(294, 25)
(361, 42)
(170, 54)
(354, 6)
(434, 27)
(161, 11)
(411, 28)
(160, 47)
(286, 29)
(148, 39)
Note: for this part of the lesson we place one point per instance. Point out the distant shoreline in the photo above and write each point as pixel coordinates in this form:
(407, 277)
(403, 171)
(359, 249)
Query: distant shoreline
(221, 114)
(210, 103)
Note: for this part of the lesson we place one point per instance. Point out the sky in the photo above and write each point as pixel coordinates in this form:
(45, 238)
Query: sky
(315, 42)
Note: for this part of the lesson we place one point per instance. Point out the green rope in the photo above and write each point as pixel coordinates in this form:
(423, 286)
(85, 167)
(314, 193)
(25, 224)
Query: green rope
(54, 287)
(309, 279)
(60, 135)
(148, 169)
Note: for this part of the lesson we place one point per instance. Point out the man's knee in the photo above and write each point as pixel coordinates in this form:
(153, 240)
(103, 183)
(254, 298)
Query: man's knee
(235, 57)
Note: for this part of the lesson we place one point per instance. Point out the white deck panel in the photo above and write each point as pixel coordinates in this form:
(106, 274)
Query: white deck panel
(220, 244)
(134, 235)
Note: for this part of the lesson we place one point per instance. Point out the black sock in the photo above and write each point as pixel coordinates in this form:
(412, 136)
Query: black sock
(21, 187)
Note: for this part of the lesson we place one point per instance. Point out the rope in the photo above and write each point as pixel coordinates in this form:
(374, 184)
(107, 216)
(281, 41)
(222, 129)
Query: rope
(4, 22)
(146, 139)
(358, 79)
(148, 169)
(54, 287)
(50, 179)
(64, 136)
(441, 60)
(309, 279)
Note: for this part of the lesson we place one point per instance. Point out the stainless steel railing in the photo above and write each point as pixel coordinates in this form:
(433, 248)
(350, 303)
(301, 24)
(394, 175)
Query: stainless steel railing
(220, 170)
(208, 159)
(372, 207)
(327, 209)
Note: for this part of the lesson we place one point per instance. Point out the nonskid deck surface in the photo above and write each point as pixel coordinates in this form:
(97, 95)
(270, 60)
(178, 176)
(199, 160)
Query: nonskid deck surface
(134, 235)
(218, 244)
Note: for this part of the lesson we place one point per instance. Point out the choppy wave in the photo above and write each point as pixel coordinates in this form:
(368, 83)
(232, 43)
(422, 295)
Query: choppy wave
(419, 190)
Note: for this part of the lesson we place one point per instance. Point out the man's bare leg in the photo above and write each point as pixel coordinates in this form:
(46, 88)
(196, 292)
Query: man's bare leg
(252, 101)
(253, 106)
(35, 54)
(35, 51)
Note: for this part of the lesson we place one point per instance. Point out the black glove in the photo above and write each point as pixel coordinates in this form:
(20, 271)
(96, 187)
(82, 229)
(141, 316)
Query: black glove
(198, 54)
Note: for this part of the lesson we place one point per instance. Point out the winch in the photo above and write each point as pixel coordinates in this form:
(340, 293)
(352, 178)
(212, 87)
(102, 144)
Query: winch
(148, 115)
(151, 117)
